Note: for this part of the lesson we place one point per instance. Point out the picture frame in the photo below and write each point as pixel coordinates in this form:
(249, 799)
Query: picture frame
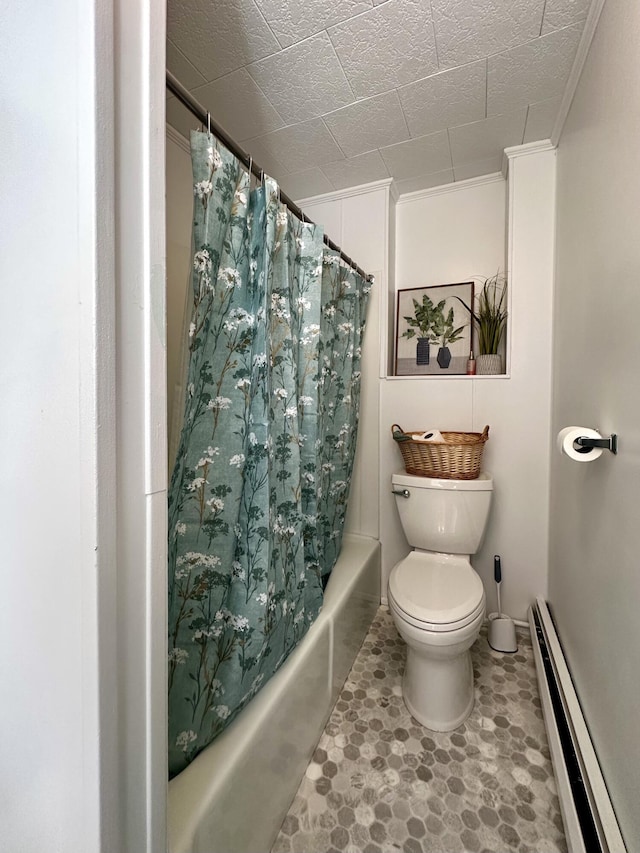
(438, 310)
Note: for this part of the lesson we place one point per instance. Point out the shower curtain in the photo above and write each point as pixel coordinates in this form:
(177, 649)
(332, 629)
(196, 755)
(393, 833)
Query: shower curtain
(259, 490)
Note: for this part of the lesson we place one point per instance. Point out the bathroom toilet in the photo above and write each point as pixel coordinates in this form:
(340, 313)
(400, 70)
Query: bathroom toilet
(435, 597)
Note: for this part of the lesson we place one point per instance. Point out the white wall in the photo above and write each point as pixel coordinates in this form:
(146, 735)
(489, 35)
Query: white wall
(56, 268)
(595, 534)
(453, 234)
(442, 236)
(358, 221)
(82, 627)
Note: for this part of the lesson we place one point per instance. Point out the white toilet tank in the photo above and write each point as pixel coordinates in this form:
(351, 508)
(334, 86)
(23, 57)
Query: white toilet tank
(449, 516)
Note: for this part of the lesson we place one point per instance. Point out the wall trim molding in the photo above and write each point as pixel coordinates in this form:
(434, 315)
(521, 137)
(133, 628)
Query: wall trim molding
(524, 150)
(450, 188)
(337, 195)
(576, 70)
(529, 148)
(175, 136)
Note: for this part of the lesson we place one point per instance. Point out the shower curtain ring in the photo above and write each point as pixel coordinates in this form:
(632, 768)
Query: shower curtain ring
(250, 169)
(209, 123)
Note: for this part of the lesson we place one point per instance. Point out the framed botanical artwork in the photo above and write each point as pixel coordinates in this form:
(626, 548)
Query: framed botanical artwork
(434, 333)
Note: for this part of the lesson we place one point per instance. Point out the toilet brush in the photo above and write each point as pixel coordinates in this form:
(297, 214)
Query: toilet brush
(502, 631)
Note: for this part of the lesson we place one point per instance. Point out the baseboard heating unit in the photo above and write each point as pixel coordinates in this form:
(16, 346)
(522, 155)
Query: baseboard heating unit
(589, 820)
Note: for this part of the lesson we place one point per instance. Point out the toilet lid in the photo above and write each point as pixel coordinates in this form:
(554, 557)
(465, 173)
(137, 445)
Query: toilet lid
(436, 588)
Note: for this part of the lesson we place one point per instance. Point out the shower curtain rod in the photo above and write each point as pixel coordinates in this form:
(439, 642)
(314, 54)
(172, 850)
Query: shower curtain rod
(204, 117)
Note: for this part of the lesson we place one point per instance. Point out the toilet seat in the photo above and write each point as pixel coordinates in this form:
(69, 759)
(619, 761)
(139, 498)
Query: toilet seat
(436, 592)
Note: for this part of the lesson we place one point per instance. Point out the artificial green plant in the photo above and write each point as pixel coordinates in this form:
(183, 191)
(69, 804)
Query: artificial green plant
(491, 314)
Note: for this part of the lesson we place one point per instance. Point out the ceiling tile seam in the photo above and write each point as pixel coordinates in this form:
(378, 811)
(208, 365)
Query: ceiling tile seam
(187, 60)
(384, 163)
(273, 106)
(327, 176)
(416, 176)
(329, 131)
(524, 129)
(544, 12)
(451, 154)
(529, 41)
(255, 82)
(353, 18)
(404, 118)
(486, 87)
(435, 36)
(346, 158)
(268, 25)
(248, 65)
(344, 73)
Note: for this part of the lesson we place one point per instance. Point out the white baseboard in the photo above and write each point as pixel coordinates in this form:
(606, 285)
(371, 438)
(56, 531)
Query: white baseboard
(587, 812)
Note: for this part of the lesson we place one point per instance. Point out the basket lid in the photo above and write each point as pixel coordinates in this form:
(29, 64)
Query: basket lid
(483, 483)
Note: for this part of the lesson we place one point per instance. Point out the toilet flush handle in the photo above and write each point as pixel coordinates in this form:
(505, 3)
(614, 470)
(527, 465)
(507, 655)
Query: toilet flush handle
(404, 493)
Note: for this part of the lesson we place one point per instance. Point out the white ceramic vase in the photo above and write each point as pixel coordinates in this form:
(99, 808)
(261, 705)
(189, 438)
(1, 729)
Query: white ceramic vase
(489, 365)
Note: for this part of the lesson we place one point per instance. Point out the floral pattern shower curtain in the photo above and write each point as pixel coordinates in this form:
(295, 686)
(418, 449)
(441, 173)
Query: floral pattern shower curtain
(259, 491)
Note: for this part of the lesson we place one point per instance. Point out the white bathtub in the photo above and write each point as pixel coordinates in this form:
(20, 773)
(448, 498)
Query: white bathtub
(233, 797)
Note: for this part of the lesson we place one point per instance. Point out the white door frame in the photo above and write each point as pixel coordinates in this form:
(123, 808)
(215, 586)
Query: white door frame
(139, 125)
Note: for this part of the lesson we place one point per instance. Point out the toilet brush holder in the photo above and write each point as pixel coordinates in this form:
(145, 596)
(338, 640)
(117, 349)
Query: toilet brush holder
(502, 630)
(502, 634)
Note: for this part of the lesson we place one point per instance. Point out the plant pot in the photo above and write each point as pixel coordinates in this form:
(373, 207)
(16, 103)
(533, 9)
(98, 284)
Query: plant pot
(489, 365)
(444, 357)
(422, 351)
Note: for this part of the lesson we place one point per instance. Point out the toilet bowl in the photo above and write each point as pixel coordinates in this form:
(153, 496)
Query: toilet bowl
(436, 599)
(438, 605)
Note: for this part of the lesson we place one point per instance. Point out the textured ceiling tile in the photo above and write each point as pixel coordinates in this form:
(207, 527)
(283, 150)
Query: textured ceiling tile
(563, 13)
(357, 170)
(181, 68)
(540, 120)
(532, 72)
(425, 182)
(238, 105)
(480, 167)
(418, 156)
(303, 81)
(389, 46)
(446, 99)
(300, 146)
(471, 30)
(219, 37)
(486, 139)
(263, 156)
(180, 118)
(368, 124)
(306, 184)
(293, 20)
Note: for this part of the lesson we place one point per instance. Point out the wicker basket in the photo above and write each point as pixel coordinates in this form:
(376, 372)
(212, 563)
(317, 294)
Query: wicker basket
(459, 457)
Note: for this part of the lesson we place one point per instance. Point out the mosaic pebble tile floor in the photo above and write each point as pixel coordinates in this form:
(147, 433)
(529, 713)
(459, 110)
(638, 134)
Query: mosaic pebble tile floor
(379, 782)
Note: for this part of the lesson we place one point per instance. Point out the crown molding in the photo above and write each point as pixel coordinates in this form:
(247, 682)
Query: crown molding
(176, 137)
(576, 69)
(336, 195)
(525, 150)
(528, 148)
(451, 188)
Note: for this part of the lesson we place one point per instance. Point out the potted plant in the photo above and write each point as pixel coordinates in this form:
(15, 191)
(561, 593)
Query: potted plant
(446, 334)
(421, 325)
(490, 318)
